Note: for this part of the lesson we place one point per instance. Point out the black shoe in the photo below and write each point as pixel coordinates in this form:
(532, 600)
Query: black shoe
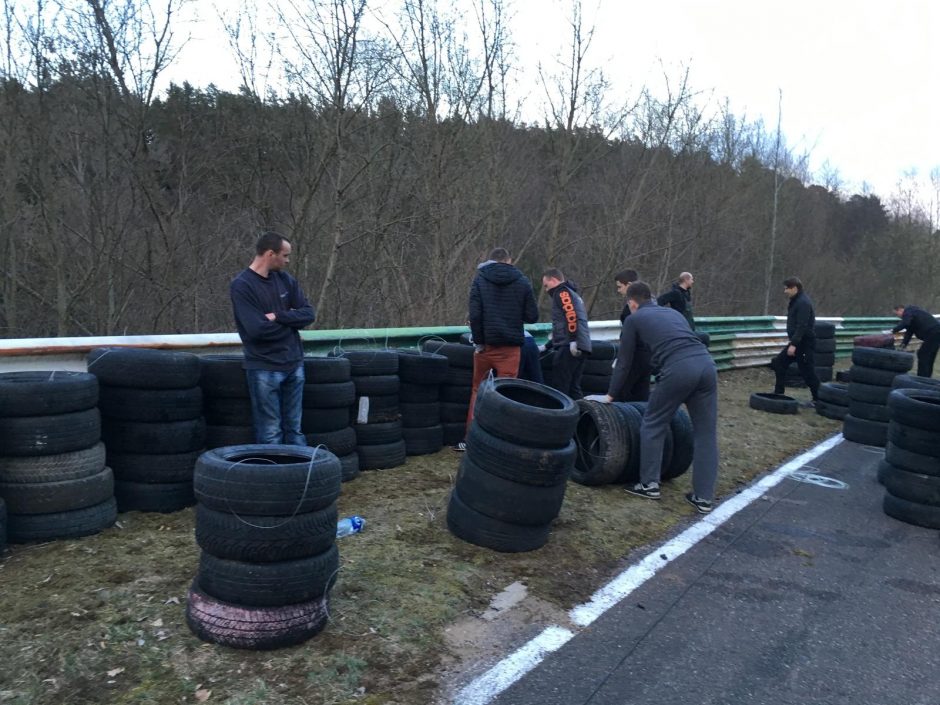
(702, 505)
(650, 491)
(460, 447)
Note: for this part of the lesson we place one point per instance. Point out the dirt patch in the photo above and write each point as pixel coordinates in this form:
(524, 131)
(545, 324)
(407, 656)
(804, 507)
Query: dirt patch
(101, 620)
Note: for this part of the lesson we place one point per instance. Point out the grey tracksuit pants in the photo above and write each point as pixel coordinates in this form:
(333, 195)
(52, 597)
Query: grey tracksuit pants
(694, 382)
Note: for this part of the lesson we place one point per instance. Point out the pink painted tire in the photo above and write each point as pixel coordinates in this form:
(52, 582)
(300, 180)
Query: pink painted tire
(254, 628)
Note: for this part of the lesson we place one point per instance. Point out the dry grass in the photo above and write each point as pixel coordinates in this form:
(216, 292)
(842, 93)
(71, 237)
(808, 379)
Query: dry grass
(101, 620)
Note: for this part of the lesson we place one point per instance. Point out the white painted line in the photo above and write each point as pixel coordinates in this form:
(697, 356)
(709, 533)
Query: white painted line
(487, 686)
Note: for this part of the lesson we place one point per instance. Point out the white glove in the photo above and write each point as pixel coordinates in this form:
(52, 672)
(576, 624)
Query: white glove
(573, 347)
(543, 348)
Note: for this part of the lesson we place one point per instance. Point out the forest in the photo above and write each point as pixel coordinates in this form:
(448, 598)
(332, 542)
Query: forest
(394, 152)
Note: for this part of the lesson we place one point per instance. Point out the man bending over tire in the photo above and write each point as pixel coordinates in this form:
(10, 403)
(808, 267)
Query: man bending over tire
(688, 376)
(270, 308)
(801, 323)
(917, 321)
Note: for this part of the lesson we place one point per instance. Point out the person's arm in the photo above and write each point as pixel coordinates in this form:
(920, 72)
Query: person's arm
(671, 299)
(802, 313)
(301, 313)
(475, 312)
(625, 353)
(905, 325)
(252, 316)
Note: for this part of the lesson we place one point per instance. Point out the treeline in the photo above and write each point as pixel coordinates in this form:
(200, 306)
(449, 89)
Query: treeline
(394, 162)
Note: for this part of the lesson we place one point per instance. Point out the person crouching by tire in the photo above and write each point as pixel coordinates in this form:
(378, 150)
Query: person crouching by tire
(917, 321)
(687, 376)
(801, 322)
(571, 338)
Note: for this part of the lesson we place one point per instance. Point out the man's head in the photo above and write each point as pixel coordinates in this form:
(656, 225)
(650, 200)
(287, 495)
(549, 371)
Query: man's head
(625, 279)
(792, 287)
(551, 278)
(899, 310)
(686, 280)
(638, 293)
(500, 254)
(273, 251)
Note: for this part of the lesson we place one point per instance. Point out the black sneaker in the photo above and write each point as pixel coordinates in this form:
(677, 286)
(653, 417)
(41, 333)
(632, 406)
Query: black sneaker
(650, 491)
(702, 505)
(460, 447)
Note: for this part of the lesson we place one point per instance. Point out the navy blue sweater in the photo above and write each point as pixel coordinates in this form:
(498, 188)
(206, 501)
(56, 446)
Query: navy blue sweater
(501, 300)
(270, 345)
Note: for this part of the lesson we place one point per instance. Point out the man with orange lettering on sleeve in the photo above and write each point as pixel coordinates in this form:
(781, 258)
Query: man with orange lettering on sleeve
(571, 339)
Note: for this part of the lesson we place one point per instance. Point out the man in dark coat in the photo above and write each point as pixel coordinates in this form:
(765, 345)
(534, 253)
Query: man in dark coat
(571, 337)
(801, 347)
(917, 321)
(636, 383)
(501, 302)
(679, 297)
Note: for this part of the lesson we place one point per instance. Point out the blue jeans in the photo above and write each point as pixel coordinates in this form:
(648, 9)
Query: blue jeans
(276, 405)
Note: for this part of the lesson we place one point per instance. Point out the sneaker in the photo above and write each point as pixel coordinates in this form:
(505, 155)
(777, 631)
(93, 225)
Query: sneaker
(808, 404)
(650, 491)
(460, 447)
(702, 505)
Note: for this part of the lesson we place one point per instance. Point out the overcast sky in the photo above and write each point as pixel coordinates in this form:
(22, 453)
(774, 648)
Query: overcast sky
(858, 78)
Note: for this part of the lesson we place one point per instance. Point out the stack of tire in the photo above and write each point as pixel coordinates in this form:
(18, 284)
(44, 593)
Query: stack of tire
(598, 367)
(833, 402)
(872, 374)
(226, 401)
(376, 412)
(456, 388)
(608, 441)
(910, 470)
(54, 482)
(823, 358)
(512, 479)
(421, 375)
(151, 424)
(329, 394)
(266, 524)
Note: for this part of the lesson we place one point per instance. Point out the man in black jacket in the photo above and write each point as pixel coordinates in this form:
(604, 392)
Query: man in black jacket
(501, 301)
(571, 337)
(679, 297)
(801, 322)
(917, 321)
(270, 308)
(636, 383)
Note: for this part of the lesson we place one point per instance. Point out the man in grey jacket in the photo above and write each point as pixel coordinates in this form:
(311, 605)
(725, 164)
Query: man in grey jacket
(687, 376)
(571, 338)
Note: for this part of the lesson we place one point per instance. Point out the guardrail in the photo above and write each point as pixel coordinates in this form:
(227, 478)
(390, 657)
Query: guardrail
(746, 341)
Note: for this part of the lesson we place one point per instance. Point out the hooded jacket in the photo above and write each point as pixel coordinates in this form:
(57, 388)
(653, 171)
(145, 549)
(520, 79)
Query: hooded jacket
(501, 301)
(801, 319)
(569, 318)
(680, 299)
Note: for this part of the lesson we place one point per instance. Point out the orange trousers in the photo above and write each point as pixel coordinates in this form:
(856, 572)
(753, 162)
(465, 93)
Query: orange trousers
(504, 359)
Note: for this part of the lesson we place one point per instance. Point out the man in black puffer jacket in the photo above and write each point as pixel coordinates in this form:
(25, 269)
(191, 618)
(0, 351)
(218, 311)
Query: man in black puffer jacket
(679, 297)
(917, 321)
(501, 301)
(801, 324)
(571, 337)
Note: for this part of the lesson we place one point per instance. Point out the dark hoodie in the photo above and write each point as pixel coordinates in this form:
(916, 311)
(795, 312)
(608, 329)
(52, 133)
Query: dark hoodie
(680, 299)
(501, 301)
(569, 317)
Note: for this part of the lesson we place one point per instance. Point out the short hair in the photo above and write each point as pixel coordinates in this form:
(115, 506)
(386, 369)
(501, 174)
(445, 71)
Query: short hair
(500, 254)
(639, 292)
(627, 276)
(554, 273)
(897, 306)
(793, 282)
(269, 240)
(685, 276)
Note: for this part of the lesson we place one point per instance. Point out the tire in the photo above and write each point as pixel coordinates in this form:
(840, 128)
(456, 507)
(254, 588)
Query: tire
(22, 528)
(542, 467)
(834, 393)
(598, 367)
(824, 374)
(912, 462)
(381, 457)
(872, 376)
(3, 526)
(329, 395)
(603, 443)
(267, 480)
(916, 440)
(257, 629)
(370, 434)
(912, 512)
(144, 369)
(912, 486)
(261, 539)
(481, 530)
(456, 394)
(825, 346)
(454, 433)
(457, 355)
(632, 420)
(883, 359)
(877, 340)
(326, 370)
(60, 496)
(324, 420)
(595, 384)
(350, 466)
(46, 393)
(410, 393)
(376, 385)
(527, 413)
(871, 433)
(154, 468)
(339, 443)
(157, 438)
(224, 411)
(158, 497)
(454, 412)
(53, 468)
(150, 405)
(364, 363)
(218, 436)
(824, 331)
(823, 359)
(634, 462)
(870, 412)
(223, 376)
(424, 440)
(831, 411)
(602, 350)
(420, 415)
(912, 382)
(459, 377)
(683, 445)
(883, 468)
(49, 435)
(843, 376)
(382, 409)
(507, 501)
(773, 403)
(919, 408)
(868, 393)
(419, 367)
